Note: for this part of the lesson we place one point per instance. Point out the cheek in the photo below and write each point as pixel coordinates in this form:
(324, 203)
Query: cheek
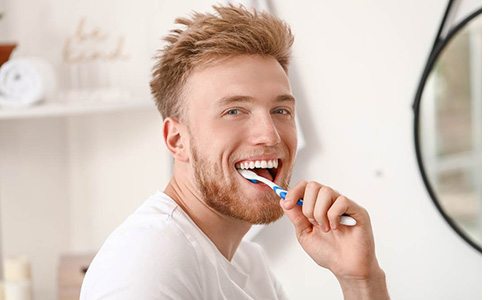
(216, 142)
(288, 133)
(228, 133)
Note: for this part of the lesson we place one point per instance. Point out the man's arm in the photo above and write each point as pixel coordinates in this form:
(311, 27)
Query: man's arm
(347, 251)
(372, 288)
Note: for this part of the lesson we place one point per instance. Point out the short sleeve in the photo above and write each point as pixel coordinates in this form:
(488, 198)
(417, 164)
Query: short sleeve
(143, 264)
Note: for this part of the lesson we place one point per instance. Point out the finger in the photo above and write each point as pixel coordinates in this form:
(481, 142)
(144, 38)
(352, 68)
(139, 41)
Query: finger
(324, 201)
(294, 211)
(294, 194)
(342, 205)
(300, 222)
(309, 201)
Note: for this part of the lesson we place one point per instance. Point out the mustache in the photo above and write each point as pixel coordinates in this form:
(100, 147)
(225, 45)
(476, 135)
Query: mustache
(275, 151)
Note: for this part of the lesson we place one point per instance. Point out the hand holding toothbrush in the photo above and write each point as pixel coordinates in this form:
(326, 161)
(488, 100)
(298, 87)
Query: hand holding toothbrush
(255, 178)
(348, 251)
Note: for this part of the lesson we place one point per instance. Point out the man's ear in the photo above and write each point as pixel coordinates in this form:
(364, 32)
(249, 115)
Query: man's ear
(174, 134)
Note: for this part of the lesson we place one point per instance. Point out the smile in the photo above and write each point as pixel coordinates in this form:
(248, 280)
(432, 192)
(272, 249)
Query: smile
(264, 168)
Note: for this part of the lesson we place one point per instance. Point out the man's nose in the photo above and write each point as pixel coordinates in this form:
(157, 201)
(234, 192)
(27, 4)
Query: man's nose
(264, 132)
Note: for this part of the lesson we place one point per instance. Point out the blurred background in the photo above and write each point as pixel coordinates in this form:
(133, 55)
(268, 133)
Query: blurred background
(81, 144)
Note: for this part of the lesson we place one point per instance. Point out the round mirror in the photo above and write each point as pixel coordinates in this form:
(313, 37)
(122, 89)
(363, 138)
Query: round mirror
(448, 122)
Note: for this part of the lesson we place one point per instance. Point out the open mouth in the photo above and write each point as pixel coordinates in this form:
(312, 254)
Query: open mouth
(264, 168)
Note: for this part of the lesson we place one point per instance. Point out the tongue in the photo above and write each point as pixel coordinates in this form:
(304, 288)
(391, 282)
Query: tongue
(263, 173)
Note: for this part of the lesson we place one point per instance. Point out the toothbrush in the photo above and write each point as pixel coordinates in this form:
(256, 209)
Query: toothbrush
(253, 177)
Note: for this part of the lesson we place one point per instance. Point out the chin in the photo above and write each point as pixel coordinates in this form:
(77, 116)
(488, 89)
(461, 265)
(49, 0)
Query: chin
(263, 209)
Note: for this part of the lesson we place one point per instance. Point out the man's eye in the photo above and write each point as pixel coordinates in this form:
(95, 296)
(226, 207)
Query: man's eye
(282, 111)
(232, 112)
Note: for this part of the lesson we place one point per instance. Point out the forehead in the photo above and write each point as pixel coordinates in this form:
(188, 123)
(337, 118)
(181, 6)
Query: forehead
(251, 78)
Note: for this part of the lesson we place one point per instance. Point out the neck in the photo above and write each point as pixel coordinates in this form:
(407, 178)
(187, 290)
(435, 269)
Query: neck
(224, 231)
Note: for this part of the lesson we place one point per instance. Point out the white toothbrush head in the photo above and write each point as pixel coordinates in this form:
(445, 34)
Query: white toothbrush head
(250, 175)
(255, 178)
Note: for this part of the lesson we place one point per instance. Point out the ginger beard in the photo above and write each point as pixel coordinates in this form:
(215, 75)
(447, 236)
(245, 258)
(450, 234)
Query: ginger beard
(223, 195)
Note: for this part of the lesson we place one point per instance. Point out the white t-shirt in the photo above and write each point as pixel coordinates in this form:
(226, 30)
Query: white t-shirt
(159, 253)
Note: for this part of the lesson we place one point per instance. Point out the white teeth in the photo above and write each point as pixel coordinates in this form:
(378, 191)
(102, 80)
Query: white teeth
(273, 163)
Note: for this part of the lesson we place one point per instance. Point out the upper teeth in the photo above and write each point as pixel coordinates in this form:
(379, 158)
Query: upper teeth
(258, 164)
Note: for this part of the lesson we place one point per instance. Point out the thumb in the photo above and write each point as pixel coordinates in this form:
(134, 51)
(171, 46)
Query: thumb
(295, 215)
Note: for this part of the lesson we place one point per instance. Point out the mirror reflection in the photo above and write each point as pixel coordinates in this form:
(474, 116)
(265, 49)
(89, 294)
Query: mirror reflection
(450, 129)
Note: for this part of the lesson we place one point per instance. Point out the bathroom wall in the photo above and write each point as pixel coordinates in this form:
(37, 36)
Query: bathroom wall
(358, 75)
(65, 183)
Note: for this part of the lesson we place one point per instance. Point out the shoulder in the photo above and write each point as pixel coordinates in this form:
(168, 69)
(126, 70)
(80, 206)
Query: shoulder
(149, 237)
(144, 260)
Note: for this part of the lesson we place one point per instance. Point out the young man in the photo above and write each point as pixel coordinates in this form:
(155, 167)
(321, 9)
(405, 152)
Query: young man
(221, 86)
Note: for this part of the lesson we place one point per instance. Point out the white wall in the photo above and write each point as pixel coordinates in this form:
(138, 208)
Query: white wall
(34, 196)
(356, 69)
(116, 161)
(359, 66)
(66, 183)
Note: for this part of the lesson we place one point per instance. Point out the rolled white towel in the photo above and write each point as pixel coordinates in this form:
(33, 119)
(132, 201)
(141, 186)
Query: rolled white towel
(25, 81)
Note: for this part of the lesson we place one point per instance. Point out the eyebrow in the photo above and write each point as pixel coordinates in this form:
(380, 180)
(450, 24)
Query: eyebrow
(237, 99)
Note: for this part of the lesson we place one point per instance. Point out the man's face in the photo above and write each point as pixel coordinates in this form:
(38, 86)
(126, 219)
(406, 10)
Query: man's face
(241, 112)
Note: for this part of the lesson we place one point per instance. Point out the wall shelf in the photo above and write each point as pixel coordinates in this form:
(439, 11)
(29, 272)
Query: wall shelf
(69, 108)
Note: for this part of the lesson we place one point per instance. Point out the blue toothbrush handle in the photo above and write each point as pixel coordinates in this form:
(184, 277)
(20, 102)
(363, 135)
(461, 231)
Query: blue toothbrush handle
(283, 193)
(345, 219)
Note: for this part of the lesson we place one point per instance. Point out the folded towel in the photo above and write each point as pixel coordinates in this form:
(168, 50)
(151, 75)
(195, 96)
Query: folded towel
(25, 81)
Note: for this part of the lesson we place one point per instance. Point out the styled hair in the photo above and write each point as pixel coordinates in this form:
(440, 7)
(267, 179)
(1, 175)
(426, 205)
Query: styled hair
(209, 38)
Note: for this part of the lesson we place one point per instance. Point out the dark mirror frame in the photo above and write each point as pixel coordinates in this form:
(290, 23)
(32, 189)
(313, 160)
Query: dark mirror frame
(439, 46)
